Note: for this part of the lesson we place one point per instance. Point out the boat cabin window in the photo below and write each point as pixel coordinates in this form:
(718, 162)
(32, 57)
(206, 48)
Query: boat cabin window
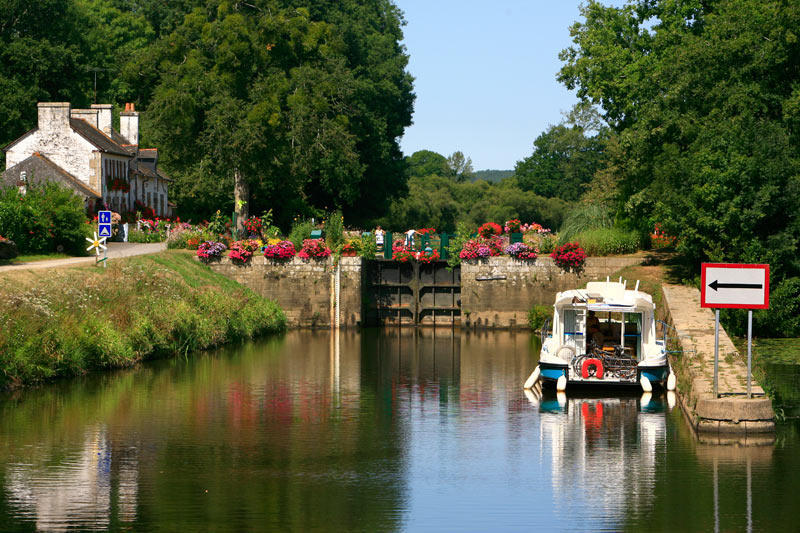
(611, 329)
(572, 331)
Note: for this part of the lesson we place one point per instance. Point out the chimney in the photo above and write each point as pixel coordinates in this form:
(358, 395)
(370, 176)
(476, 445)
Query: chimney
(53, 116)
(129, 124)
(103, 117)
(89, 115)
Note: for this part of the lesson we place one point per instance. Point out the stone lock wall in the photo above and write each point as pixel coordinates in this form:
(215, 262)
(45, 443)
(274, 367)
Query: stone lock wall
(499, 291)
(303, 289)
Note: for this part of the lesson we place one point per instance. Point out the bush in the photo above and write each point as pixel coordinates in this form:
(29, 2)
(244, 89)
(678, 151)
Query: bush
(609, 241)
(367, 247)
(537, 315)
(782, 319)
(334, 230)
(48, 218)
(301, 230)
(569, 257)
(314, 249)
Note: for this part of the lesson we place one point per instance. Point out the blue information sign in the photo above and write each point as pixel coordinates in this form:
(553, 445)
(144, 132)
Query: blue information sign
(104, 223)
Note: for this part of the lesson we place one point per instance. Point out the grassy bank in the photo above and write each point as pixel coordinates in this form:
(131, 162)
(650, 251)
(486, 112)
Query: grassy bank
(69, 321)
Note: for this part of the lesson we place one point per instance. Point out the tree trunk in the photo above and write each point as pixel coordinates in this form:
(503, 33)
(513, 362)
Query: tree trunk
(241, 195)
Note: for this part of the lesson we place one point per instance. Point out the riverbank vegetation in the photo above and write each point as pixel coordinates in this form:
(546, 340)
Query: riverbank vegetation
(70, 321)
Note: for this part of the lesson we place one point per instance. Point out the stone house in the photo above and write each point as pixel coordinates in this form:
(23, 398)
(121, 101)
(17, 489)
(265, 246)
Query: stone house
(80, 149)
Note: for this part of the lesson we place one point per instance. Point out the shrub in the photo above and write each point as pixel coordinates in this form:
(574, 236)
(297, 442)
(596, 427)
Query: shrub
(489, 229)
(280, 251)
(457, 244)
(139, 236)
(334, 230)
(521, 251)
(241, 251)
(570, 257)
(609, 241)
(48, 218)
(301, 230)
(481, 248)
(314, 249)
(210, 250)
(8, 248)
(367, 248)
(537, 315)
(513, 226)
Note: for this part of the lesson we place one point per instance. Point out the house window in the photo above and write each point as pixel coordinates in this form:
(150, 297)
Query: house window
(149, 200)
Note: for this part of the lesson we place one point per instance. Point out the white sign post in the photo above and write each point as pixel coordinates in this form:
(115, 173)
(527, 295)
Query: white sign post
(734, 286)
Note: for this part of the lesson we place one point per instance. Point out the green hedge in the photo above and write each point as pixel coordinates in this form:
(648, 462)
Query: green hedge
(69, 321)
(48, 218)
(608, 241)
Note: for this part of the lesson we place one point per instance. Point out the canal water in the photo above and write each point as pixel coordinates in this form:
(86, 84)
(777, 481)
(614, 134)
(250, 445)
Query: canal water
(416, 430)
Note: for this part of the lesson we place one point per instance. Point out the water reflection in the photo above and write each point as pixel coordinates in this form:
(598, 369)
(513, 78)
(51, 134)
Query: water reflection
(603, 450)
(393, 430)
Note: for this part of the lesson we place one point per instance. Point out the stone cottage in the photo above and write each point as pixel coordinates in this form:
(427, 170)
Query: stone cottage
(80, 149)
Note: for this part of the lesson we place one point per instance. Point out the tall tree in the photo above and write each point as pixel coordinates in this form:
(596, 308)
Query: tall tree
(704, 98)
(43, 57)
(460, 167)
(565, 157)
(304, 101)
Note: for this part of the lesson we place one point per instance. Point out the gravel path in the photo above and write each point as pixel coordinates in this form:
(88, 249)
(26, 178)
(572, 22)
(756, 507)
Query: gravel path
(115, 251)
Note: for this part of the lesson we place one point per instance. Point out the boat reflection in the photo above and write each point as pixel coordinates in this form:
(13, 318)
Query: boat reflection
(603, 447)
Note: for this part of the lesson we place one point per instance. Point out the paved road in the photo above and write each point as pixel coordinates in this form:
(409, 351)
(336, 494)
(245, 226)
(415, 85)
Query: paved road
(115, 251)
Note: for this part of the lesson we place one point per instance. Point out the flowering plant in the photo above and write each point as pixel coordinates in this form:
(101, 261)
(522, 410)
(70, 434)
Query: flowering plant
(489, 229)
(280, 251)
(482, 248)
(314, 248)
(426, 231)
(427, 257)
(400, 252)
(349, 249)
(570, 257)
(210, 250)
(522, 251)
(242, 251)
(659, 239)
(533, 227)
(252, 225)
(513, 225)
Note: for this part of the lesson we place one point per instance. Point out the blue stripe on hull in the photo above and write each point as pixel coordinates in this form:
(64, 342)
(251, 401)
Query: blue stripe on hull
(552, 373)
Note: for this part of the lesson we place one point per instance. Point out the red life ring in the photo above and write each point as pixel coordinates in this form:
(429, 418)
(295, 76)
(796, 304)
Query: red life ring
(598, 368)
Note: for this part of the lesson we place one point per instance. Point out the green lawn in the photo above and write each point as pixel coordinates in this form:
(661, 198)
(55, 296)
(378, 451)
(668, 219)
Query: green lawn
(32, 258)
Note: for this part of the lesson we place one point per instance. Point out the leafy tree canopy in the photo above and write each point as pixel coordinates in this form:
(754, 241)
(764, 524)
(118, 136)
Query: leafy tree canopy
(704, 99)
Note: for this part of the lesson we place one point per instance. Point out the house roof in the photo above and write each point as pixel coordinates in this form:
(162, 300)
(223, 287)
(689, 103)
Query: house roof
(97, 137)
(148, 153)
(47, 165)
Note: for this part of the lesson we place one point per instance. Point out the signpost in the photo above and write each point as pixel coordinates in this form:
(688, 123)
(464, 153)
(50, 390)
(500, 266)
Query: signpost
(104, 224)
(734, 286)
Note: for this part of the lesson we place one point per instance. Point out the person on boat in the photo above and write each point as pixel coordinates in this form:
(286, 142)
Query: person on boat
(593, 330)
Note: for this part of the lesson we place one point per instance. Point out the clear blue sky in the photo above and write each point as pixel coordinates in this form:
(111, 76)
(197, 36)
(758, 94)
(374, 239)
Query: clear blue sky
(485, 75)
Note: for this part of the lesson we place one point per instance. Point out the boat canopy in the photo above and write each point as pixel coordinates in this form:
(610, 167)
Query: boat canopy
(606, 296)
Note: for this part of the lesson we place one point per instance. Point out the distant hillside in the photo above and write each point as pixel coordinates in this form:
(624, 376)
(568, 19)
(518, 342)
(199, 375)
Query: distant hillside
(492, 176)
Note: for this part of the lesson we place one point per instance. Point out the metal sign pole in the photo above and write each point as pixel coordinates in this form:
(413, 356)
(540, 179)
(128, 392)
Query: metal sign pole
(749, 350)
(716, 353)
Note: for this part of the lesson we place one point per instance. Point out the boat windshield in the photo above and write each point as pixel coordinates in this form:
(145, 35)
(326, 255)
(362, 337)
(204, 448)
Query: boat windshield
(609, 329)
